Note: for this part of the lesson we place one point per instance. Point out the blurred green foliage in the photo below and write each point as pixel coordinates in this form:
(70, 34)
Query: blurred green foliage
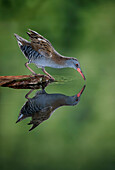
(80, 137)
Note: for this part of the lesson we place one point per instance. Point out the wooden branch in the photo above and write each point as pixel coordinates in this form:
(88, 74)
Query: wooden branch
(25, 81)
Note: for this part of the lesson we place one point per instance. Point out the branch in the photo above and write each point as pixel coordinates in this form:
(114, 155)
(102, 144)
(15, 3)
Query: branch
(25, 81)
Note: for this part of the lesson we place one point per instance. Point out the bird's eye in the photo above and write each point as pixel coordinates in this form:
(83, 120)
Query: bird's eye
(77, 65)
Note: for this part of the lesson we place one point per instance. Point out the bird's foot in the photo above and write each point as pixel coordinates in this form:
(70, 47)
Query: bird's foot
(48, 76)
(36, 74)
(51, 77)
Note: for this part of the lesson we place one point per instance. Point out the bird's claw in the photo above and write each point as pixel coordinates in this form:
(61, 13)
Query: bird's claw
(48, 76)
(51, 78)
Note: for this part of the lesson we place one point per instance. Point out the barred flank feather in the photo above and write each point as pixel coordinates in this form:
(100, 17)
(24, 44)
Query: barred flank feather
(29, 52)
(27, 49)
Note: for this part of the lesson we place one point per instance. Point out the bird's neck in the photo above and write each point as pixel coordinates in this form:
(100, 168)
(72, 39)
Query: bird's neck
(58, 100)
(61, 60)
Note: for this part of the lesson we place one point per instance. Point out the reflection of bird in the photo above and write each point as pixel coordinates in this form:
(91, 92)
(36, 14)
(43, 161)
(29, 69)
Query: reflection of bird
(40, 52)
(41, 106)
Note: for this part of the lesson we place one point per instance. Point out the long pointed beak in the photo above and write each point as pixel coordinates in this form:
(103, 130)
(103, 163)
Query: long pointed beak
(79, 94)
(79, 70)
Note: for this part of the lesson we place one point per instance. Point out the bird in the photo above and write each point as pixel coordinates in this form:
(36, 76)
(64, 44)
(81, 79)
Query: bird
(40, 51)
(42, 105)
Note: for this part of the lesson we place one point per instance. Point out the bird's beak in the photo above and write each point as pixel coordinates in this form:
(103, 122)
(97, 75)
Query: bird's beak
(79, 94)
(79, 70)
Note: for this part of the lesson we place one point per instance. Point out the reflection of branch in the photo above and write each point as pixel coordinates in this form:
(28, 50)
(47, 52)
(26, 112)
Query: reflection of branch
(25, 81)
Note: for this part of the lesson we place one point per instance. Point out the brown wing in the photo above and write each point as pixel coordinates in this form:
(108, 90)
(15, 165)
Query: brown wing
(38, 118)
(40, 44)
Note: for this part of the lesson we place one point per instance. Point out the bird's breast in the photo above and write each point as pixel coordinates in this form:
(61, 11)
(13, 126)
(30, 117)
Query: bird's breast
(42, 62)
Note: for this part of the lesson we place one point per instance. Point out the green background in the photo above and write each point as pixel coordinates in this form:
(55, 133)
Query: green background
(80, 137)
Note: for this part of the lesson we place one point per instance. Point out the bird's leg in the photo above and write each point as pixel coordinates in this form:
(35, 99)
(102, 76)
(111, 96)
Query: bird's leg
(26, 64)
(43, 69)
(26, 96)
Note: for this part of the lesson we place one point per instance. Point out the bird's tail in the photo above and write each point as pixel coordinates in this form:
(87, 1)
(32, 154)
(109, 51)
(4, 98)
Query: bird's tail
(20, 117)
(25, 46)
(21, 41)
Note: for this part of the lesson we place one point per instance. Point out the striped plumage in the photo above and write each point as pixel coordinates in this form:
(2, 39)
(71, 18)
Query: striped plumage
(41, 52)
(30, 53)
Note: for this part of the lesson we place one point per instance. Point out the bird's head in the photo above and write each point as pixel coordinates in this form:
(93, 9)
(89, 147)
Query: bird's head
(75, 99)
(74, 63)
